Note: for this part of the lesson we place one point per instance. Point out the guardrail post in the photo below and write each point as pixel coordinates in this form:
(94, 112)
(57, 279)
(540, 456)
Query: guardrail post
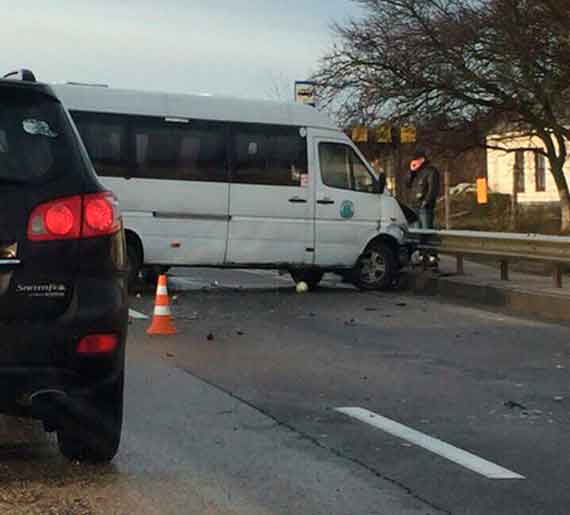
(504, 270)
(460, 270)
(557, 276)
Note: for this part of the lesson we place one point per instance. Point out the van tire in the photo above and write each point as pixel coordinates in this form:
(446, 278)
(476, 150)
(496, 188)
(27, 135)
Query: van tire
(151, 274)
(93, 434)
(376, 268)
(311, 277)
(134, 256)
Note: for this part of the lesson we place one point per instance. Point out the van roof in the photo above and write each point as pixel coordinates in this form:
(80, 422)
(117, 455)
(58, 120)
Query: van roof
(205, 107)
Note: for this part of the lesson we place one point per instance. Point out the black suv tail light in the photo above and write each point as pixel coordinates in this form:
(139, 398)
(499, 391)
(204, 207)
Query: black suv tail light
(80, 216)
(101, 215)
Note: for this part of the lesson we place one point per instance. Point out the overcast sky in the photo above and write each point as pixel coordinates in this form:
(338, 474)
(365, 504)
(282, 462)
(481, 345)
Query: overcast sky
(246, 48)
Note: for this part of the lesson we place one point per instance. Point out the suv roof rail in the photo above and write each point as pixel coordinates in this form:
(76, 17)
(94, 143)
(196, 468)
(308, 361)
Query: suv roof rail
(90, 84)
(22, 74)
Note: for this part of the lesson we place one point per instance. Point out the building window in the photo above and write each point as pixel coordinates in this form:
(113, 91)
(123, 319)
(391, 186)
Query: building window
(268, 155)
(519, 171)
(342, 168)
(540, 172)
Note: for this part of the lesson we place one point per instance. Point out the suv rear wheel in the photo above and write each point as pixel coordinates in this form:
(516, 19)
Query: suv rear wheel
(93, 434)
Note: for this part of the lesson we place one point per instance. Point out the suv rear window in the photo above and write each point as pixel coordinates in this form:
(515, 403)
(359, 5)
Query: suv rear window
(36, 142)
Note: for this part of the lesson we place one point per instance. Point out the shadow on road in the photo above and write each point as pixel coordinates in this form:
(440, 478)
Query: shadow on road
(29, 454)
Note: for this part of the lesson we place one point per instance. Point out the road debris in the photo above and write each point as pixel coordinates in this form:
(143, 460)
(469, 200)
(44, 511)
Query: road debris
(514, 404)
(210, 337)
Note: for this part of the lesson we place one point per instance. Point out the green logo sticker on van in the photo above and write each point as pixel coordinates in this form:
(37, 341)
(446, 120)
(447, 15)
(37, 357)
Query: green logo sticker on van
(347, 209)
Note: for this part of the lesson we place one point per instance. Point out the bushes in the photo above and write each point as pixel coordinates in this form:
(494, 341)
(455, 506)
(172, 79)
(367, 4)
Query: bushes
(467, 214)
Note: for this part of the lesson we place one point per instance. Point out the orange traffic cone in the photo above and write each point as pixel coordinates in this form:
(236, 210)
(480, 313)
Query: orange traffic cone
(162, 318)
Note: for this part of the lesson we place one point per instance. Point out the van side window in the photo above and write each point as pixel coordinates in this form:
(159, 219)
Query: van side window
(105, 137)
(192, 152)
(342, 168)
(270, 155)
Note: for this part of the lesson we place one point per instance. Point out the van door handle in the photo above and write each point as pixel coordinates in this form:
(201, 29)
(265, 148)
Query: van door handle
(297, 200)
(325, 201)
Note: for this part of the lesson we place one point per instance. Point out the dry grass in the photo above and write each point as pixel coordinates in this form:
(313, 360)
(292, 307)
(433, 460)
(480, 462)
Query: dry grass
(467, 214)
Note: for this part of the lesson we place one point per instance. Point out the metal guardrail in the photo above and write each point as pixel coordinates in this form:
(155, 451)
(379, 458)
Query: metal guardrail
(503, 246)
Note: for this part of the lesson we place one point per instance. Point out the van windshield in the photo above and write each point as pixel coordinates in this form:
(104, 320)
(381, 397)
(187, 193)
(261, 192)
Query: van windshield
(35, 143)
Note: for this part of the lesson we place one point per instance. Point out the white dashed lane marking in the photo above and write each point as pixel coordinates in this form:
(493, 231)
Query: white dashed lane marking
(465, 459)
(136, 315)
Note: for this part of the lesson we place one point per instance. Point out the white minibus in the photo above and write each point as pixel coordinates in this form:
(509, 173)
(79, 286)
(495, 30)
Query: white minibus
(221, 182)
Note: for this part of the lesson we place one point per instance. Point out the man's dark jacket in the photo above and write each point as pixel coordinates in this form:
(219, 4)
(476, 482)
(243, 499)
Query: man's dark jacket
(424, 186)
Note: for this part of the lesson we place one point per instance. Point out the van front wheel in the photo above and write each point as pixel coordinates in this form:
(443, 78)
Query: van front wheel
(311, 277)
(376, 268)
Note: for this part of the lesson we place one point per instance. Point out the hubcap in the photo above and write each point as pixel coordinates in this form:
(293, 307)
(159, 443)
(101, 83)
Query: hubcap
(373, 267)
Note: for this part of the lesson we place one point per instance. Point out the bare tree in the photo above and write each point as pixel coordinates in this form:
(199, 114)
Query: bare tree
(280, 88)
(463, 61)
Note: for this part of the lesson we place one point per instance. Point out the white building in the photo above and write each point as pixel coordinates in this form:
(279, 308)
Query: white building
(535, 182)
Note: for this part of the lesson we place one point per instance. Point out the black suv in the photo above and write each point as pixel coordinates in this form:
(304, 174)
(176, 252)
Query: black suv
(63, 273)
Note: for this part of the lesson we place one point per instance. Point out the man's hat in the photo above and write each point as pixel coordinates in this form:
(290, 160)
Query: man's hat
(420, 153)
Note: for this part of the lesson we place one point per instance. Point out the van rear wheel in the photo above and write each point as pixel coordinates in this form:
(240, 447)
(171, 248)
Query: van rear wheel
(376, 268)
(311, 277)
(135, 262)
(151, 274)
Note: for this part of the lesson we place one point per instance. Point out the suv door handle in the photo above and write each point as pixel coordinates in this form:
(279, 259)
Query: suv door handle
(297, 200)
(325, 200)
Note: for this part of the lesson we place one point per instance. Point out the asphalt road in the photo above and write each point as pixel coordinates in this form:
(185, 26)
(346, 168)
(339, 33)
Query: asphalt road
(238, 413)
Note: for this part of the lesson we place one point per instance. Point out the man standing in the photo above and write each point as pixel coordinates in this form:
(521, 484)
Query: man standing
(423, 183)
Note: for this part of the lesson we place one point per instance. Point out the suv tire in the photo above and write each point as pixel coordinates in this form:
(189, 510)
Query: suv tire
(93, 436)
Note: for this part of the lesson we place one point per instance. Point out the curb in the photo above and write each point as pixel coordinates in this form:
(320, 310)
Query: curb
(511, 299)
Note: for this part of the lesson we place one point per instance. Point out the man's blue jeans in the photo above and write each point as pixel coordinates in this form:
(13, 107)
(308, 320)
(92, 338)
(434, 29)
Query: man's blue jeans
(426, 217)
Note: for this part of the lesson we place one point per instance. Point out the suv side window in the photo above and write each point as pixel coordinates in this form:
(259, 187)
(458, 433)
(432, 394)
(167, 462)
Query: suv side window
(342, 168)
(105, 137)
(270, 155)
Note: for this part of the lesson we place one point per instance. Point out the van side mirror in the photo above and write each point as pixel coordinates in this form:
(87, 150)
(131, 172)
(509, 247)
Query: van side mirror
(380, 183)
